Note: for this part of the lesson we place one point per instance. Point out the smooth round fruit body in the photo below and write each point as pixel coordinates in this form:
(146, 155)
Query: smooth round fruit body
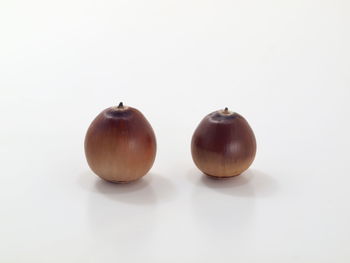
(120, 145)
(223, 145)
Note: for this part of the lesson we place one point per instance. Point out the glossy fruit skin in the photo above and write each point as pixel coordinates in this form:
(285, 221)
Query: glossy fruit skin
(223, 145)
(120, 145)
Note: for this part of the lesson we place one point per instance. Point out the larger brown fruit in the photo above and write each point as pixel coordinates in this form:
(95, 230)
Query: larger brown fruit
(223, 145)
(120, 145)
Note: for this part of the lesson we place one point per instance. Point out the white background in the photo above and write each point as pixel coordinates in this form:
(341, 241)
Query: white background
(284, 65)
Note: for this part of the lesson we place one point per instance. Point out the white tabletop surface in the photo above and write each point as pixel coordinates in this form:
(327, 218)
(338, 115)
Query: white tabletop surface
(284, 65)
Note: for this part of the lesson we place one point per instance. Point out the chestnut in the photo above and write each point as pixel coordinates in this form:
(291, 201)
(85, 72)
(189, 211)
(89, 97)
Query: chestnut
(120, 145)
(223, 145)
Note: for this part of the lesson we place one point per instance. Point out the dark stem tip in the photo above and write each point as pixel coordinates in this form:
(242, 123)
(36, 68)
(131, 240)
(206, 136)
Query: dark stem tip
(120, 105)
(226, 109)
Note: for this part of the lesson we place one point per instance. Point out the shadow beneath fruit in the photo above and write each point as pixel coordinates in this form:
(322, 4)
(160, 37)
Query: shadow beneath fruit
(139, 192)
(249, 184)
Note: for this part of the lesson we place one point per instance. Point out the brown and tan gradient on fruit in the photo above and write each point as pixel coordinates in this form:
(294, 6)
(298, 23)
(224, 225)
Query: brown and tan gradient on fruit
(223, 145)
(120, 145)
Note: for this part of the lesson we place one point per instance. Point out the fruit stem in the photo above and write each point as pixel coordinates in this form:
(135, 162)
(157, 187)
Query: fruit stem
(226, 109)
(120, 106)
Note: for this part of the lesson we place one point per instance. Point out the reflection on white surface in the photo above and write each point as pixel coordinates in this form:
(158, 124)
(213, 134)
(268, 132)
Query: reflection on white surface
(123, 214)
(233, 214)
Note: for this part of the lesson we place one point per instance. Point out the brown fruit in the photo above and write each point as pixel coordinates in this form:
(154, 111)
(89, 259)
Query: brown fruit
(120, 145)
(223, 145)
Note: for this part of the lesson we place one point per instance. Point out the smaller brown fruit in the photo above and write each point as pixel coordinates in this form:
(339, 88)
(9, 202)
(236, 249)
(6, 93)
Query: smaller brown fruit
(223, 145)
